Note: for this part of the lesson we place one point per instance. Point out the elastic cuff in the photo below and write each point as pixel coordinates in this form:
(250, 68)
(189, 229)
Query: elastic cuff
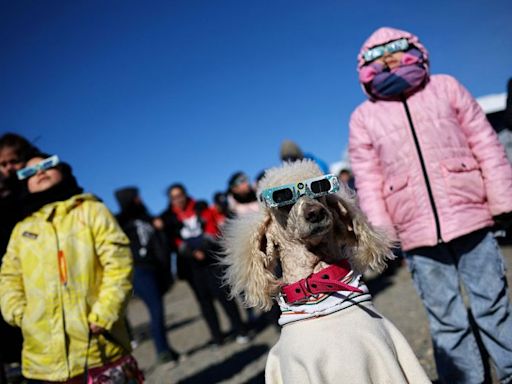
(17, 319)
(93, 318)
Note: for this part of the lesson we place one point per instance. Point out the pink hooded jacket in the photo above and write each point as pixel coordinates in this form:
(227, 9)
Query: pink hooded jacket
(466, 179)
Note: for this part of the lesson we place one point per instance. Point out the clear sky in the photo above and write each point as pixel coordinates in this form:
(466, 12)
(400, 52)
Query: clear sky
(149, 93)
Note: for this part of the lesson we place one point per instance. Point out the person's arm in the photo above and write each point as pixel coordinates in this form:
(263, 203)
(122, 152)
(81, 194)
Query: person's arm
(368, 175)
(171, 228)
(113, 251)
(485, 146)
(12, 293)
(210, 224)
(158, 245)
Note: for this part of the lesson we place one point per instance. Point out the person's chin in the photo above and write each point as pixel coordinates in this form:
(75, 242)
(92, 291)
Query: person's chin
(44, 185)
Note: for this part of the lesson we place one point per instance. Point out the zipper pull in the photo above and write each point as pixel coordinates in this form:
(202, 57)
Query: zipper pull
(63, 270)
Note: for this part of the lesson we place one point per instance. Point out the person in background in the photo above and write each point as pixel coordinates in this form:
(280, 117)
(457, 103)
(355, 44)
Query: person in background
(220, 209)
(345, 176)
(241, 195)
(508, 109)
(430, 170)
(152, 272)
(195, 237)
(504, 235)
(14, 151)
(242, 200)
(65, 278)
(290, 151)
(505, 134)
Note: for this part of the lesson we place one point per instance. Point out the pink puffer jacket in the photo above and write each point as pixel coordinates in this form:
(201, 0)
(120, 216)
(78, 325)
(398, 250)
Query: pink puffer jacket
(467, 172)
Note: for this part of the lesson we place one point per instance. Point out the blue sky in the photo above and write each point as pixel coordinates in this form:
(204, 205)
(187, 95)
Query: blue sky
(149, 93)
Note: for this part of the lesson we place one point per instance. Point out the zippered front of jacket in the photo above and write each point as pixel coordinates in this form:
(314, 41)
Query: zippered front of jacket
(423, 169)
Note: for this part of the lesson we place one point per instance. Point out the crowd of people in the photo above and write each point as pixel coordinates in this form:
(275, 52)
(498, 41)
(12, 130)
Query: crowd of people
(428, 168)
(64, 245)
(66, 272)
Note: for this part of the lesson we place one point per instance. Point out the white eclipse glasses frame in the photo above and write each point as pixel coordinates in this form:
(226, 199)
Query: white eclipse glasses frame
(289, 193)
(380, 50)
(43, 165)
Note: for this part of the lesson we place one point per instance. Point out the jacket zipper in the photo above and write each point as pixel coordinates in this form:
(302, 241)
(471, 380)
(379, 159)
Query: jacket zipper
(61, 260)
(424, 170)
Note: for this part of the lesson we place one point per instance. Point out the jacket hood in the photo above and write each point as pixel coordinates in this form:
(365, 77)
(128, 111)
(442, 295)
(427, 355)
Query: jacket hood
(386, 34)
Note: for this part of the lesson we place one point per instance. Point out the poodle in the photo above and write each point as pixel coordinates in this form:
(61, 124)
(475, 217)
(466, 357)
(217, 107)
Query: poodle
(307, 248)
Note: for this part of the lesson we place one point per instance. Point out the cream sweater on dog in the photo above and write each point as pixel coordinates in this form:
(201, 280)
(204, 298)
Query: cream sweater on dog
(343, 340)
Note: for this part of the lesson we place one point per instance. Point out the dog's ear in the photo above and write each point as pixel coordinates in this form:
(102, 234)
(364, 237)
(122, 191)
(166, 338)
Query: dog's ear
(370, 247)
(250, 258)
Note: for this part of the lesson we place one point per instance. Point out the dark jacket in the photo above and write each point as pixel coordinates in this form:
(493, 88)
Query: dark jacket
(149, 248)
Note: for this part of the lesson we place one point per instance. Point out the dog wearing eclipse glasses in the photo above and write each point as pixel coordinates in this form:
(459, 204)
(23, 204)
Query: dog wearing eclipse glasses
(312, 228)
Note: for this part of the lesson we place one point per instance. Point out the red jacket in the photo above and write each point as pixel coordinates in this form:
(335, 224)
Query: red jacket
(194, 225)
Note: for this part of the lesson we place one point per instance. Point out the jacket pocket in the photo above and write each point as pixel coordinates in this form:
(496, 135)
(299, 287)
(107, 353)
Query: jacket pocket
(463, 180)
(399, 200)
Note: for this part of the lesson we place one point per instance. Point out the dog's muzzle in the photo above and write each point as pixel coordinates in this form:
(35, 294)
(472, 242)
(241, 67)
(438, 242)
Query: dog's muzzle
(314, 213)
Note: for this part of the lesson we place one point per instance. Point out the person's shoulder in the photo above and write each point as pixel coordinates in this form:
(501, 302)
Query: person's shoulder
(363, 105)
(89, 203)
(23, 224)
(207, 211)
(443, 79)
(361, 110)
(84, 199)
(443, 84)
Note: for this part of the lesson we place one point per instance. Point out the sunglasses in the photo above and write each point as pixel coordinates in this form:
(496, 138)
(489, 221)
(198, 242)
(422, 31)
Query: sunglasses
(43, 165)
(289, 193)
(380, 50)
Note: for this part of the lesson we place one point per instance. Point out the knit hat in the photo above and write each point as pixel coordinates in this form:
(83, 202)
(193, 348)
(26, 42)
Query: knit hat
(125, 196)
(290, 151)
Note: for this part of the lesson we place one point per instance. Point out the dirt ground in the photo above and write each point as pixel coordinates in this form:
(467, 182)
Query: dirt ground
(394, 297)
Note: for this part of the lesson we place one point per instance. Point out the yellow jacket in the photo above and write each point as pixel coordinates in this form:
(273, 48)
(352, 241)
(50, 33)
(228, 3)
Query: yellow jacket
(67, 265)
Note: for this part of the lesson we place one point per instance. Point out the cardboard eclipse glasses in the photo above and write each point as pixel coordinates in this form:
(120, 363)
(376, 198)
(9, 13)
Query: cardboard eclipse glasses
(391, 47)
(43, 165)
(289, 193)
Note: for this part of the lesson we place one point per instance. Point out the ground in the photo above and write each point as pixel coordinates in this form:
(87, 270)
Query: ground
(394, 296)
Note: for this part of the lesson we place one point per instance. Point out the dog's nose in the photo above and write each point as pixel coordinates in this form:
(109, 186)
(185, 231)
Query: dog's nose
(314, 213)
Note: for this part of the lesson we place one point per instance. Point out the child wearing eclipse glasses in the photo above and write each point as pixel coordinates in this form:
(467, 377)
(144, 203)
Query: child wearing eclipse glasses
(429, 168)
(65, 279)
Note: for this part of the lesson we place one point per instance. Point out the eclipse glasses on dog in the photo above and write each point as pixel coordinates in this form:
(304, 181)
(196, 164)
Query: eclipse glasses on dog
(289, 193)
(380, 50)
(43, 165)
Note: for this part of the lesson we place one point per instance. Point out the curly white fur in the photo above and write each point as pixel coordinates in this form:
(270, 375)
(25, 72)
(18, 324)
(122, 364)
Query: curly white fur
(253, 244)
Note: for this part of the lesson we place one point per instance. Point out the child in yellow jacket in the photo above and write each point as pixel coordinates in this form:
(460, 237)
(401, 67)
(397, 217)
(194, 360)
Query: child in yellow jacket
(66, 274)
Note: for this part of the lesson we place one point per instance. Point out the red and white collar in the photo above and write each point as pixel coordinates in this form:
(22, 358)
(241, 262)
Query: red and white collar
(325, 280)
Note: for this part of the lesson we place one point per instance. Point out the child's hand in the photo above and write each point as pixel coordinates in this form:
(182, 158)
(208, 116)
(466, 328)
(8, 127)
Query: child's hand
(96, 329)
(198, 255)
